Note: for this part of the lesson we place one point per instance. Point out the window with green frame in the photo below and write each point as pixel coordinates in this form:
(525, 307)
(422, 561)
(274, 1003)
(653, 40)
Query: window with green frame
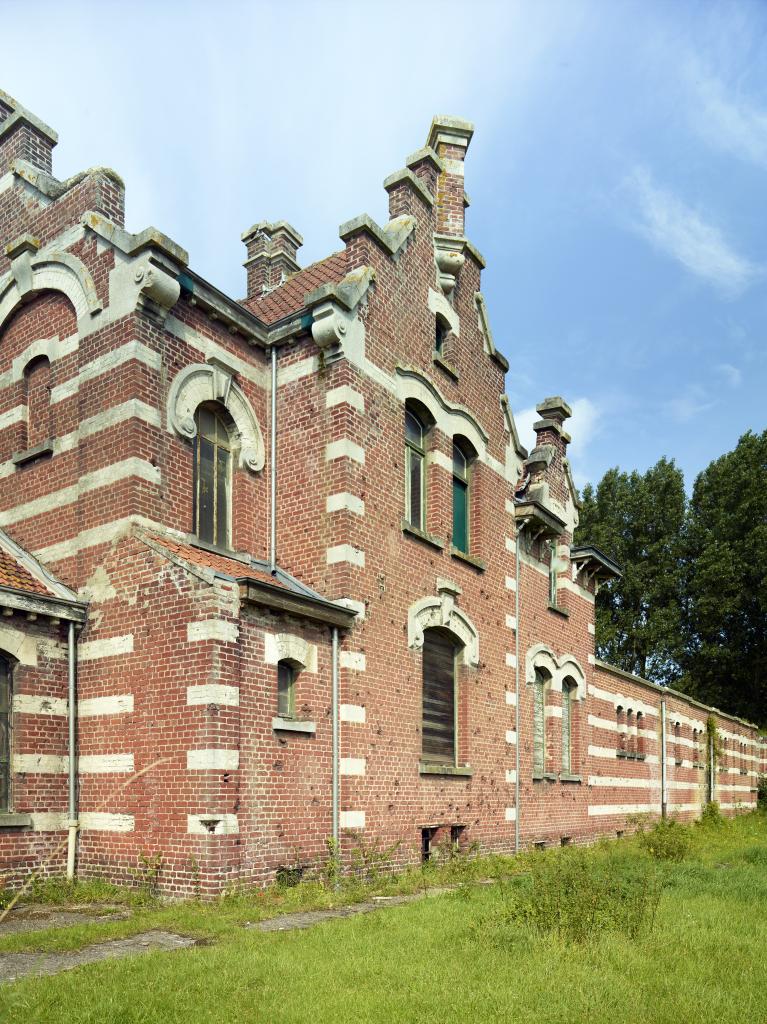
(212, 476)
(5, 735)
(461, 478)
(415, 470)
(568, 696)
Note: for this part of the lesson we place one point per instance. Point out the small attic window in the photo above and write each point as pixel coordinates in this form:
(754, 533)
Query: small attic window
(441, 332)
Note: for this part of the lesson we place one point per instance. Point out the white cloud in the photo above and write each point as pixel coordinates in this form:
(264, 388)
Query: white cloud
(726, 119)
(689, 404)
(730, 373)
(680, 232)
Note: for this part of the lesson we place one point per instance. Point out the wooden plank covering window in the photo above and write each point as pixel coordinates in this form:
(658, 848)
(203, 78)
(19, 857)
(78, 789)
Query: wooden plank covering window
(439, 705)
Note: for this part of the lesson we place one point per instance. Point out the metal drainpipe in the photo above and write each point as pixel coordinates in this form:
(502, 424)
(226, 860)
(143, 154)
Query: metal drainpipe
(72, 823)
(516, 692)
(335, 726)
(711, 771)
(273, 469)
(663, 769)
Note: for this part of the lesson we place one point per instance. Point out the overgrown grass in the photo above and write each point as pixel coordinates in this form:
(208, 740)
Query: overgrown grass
(462, 956)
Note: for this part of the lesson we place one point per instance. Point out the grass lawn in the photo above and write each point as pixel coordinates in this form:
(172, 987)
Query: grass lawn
(464, 956)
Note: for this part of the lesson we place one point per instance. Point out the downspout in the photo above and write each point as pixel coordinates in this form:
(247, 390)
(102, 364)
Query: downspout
(663, 769)
(334, 718)
(516, 692)
(711, 771)
(72, 823)
(273, 468)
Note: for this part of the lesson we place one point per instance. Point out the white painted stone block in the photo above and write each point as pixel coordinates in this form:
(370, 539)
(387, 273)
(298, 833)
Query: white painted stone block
(511, 814)
(357, 606)
(511, 698)
(346, 553)
(217, 758)
(591, 628)
(213, 693)
(27, 704)
(511, 583)
(511, 775)
(120, 704)
(227, 824)
(345, 502)
(353, 713)
(40, 764)
(511, 545)
(102, 764)
(353, 660)
(212, 629)
(109, 647)
(49, 821)
(353, 819)
(336, 396)
(345, 449)
(511, 736)
(511, 660)
(353, 765)
(97, 821)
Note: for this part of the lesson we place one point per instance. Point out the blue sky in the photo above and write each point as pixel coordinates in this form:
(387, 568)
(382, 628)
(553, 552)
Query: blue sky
(617, 174)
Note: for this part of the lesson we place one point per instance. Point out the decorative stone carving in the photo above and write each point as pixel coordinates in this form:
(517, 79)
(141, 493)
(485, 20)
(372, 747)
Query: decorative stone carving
(329, 326)
(208, 382)
(158, 290)
(442, 611)
(541, 656)
(448, 254)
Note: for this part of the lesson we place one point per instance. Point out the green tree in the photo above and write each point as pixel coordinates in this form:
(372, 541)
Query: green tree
(725, 615)
(638, 519)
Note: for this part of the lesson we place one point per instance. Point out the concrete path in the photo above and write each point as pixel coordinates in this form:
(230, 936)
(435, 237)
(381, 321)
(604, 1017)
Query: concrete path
(308, 918)
(34, 917)
(18, 965)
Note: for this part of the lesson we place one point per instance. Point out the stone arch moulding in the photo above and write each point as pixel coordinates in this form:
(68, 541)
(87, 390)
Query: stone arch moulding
(207, 382)
(47, 271)
(289, 647)
(18, 645)
(541, 656)
(441, 611)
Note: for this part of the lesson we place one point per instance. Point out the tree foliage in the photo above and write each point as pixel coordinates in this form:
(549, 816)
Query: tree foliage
(638, 519)
(725, 582)
(691, 609)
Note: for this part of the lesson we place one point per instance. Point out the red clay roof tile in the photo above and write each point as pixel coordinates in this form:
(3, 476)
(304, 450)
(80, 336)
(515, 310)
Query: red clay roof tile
(289, 297)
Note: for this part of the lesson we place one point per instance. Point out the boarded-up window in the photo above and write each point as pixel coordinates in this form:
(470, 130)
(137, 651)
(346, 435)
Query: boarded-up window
(415, 476)
(539, 722)
(568, 695)
(439, 696)
(640, 730)
(212, 472)
(37, 387)
(286, 681)
(5, 735)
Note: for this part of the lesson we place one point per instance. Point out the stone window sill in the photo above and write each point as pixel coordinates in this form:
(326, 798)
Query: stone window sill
(444, 365)
(39, 450)
(293, 725)
(559, 611)
(10, 820)
(545, 777)
(426, 538)
(462, 556)
(434, 768)
(566, 777)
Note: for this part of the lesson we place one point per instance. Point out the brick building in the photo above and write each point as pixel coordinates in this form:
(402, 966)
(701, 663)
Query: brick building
(289, 557)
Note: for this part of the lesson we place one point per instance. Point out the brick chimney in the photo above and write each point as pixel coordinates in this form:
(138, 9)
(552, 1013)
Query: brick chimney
(547, 460)
(449, 137)
(272, 250)
(24, 136)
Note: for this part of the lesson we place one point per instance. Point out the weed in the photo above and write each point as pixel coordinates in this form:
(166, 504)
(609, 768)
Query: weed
(370, 860)
(576, 895)
(667, 840)
(147, 874)
(711, 816)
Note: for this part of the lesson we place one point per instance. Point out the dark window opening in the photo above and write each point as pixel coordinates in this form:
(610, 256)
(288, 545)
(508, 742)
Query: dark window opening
(439, 726)
(5, 735)
(427, 836)
(286, 689)
(441, 332)
(212, 477)
(456, 834)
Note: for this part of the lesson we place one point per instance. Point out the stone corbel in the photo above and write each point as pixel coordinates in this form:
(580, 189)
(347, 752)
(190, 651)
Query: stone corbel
(158, 289)
(449, 257)
(20, 254)
(329, 326)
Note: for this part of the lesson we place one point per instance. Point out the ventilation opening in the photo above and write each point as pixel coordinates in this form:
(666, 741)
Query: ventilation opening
(565, 840)
(619, 833)
(427, 837)
(540, 845)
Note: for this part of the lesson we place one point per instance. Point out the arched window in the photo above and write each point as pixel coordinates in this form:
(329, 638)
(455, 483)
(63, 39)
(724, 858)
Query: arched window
(569, 691)
(620, 722)
(440, 704)
(640, 738)
(677, 742)
(37, 398)
(287, 673)
(630, 731)
(212, 476)
(463, 455)
(415, 468)
(5, 735)
(542, 677)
